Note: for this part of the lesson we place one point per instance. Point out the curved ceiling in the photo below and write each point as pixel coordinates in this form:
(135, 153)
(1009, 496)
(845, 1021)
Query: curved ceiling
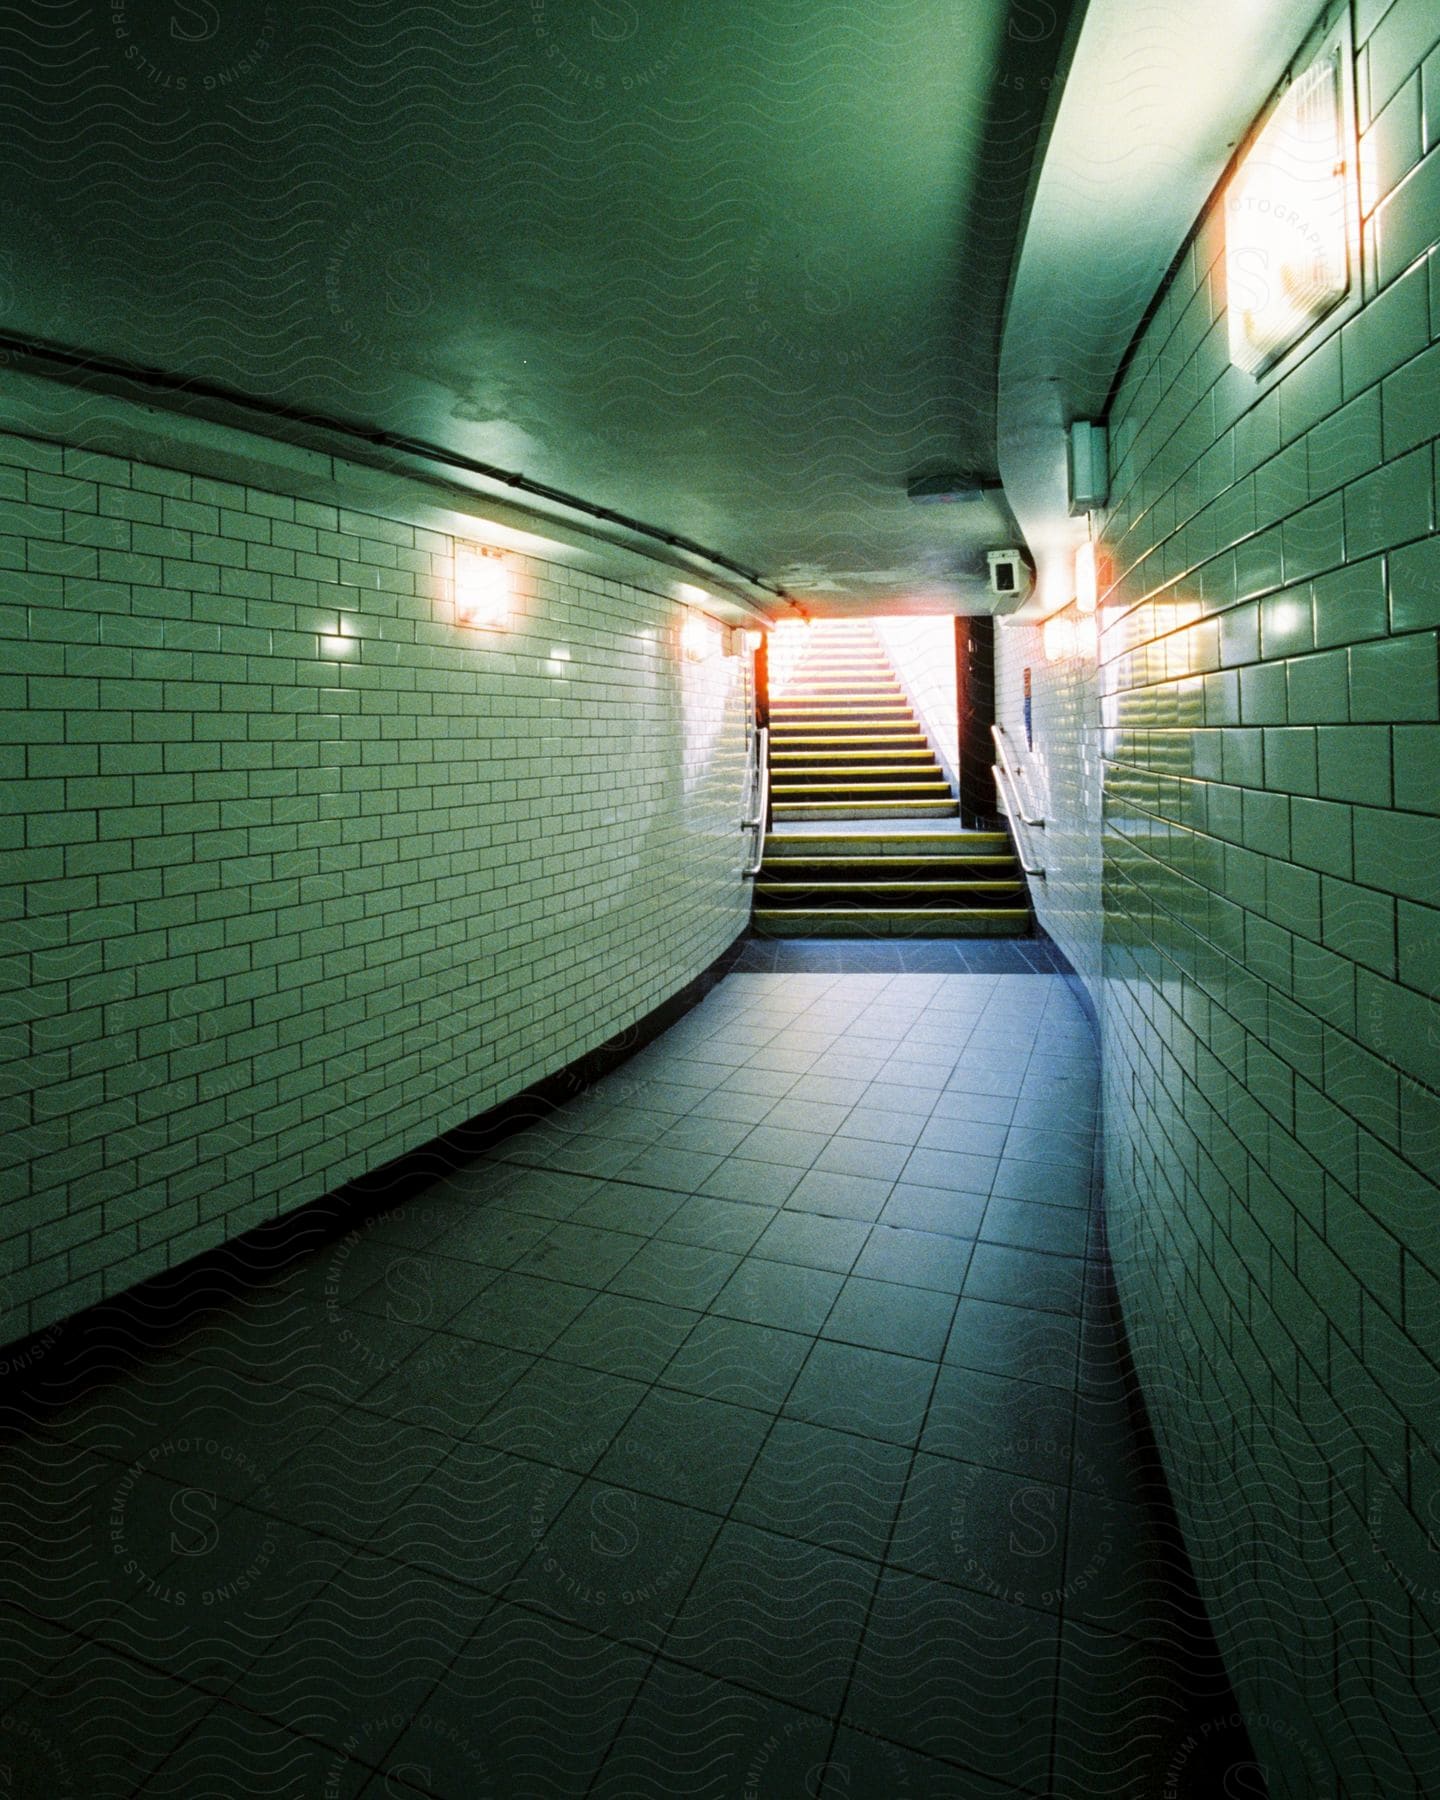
(1153, 105)
(734, 271)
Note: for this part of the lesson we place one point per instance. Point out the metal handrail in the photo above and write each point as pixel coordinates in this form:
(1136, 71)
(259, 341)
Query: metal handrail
(1007, 791)
(1012, 774)
(757, 821)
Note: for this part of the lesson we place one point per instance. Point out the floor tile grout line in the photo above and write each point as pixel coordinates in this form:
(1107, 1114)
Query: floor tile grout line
(356, 1402)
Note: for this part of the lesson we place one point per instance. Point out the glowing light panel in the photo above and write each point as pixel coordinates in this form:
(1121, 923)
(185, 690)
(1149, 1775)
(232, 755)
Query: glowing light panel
(1286, 231)
(699, 637)
(482, 588)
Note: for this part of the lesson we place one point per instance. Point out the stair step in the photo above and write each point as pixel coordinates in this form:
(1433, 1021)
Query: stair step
(866, 809)
(889, 868)
(816, 845)
(845, 684)
(843, 699)
(807, 726)
(906, 895)
(893, 774)
(857, 759)
(918, 789)
(967, 921)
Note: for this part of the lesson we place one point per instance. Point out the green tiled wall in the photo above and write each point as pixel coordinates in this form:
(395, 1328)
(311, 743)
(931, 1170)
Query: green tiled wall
(297, 873)
(1265, 708)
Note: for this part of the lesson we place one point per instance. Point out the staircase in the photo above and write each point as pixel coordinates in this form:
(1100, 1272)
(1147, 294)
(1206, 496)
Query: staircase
(844, 740)
(846, 749)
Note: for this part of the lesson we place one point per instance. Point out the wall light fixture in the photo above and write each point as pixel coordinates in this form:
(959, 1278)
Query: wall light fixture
(482, 587)
(1287, 228)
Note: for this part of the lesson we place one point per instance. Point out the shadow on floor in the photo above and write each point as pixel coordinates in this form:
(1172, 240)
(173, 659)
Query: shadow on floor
(756, 1424)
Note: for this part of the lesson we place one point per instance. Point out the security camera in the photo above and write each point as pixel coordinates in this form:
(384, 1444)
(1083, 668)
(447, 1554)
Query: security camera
(1009, 572)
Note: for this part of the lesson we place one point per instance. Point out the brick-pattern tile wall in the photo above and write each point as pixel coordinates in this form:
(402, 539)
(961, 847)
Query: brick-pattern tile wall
(297, 872)
(1059, 769)
(1267, 708)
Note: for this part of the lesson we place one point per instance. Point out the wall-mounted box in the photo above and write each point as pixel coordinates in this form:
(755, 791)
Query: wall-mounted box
(1089, 463)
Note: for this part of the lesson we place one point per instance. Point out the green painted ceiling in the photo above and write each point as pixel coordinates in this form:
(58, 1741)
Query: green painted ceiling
(735, 270)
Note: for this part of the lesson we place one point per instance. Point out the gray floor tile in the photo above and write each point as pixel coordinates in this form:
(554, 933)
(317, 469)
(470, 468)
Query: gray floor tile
(624, 1336)
(882, 1316)
(275, 1760)
(683, 1171)
(543, 1193)
(760, 1184)
(449, 1383)
(601, 1154)
(635, 1124)
(1044, 1182)
(477, 1518)
(1123, 1572)
(1125, 1722)
(474, 1476)
(968, 1174)
(967, 1137)
(981, 1109)
(1026, 1225)
(829, 1090)
(616, 1561)
(233, 1582)
(1018, 1426)
(960, 1676)
(916, 1258)
(781, 1294)
(840, 1196)
(530, 1706)
(675, 1274)
(861, 1156)
(828, 1487)
(494, 1236)
(1109, 1458)
(1071, 1149)
(689, 1733)
(717, 1137)
(686, 1448)
(867, 1392)
(718, 1224)
(1027, 1278)
(809, 1116)
(983, 1528)
(862, 1765)
(418, 1287)
(979, 1078)
(740, 1109)
(759, 1081)
(1014, 1341)
(580, 1254)
(560, 1413)
(728, 1359)
(774, 1144)
(417, 1222)
(877, 1124)
(813, 1241)
(347, 1481)
(775, 1614)
(371, 1646)
(521, 1311)
(900, 1099)
(622, 1206)
(934, 1209)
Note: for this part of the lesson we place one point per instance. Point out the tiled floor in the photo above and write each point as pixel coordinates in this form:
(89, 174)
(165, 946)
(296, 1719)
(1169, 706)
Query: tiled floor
(751, 1426)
